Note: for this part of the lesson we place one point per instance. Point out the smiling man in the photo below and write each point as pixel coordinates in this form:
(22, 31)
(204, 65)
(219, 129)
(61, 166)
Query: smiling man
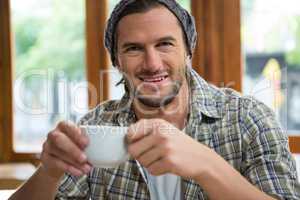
(154, 61)
(187, 139)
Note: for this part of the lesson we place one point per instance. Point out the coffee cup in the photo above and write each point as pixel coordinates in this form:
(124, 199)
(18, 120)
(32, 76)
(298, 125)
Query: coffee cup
(107, 145)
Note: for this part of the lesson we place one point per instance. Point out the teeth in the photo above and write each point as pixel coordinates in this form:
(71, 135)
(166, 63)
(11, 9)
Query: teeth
(154, 79)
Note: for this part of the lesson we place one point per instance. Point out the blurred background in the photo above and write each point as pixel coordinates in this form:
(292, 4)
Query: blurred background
(49, 63)
(49, 59)
(49, 75)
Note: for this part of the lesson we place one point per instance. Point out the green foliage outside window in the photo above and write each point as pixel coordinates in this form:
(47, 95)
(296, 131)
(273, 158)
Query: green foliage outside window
(283, 37)
(55, 41)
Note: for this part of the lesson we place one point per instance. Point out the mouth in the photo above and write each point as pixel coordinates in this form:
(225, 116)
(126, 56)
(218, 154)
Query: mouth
(153, 79)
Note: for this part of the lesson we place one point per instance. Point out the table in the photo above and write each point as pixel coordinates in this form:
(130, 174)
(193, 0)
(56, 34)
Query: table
(13, 175)
(5, 194)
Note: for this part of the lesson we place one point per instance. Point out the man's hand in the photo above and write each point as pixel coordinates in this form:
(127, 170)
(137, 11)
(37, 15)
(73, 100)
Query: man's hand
(162, 148)
(63, 151)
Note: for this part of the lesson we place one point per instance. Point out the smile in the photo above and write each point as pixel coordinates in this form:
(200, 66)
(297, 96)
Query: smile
(153, 79)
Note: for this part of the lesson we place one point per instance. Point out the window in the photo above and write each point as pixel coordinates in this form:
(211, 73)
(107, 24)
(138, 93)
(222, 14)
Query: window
(73, 36)
(271, 46)
(217, 58)
(49, 68)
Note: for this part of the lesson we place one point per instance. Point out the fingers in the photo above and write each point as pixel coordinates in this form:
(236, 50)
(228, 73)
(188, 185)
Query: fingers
(75, 160)
(59, 142)
(74, 133)
(51, 162)
(138, 130)
(63, 151)
(159, 167)
(153, 144)
(150, 156)
(141, 146)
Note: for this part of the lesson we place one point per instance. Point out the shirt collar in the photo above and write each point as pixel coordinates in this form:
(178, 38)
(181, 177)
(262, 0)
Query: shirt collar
(203, 96)
(126, 115)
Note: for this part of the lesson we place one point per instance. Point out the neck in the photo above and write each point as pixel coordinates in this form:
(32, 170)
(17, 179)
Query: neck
(175, 112)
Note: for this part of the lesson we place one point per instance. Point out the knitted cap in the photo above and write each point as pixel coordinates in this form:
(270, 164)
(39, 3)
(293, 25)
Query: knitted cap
(186, 20)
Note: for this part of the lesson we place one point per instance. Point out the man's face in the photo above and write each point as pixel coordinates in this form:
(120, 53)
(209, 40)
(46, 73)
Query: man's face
(152, 54)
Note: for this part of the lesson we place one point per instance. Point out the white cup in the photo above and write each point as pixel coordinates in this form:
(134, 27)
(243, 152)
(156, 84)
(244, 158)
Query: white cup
(107, 145)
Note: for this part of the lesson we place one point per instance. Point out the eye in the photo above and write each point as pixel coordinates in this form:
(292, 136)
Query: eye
(133, 48)
(165, 44)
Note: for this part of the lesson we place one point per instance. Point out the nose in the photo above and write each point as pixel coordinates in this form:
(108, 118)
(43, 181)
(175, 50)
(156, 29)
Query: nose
(152, 61)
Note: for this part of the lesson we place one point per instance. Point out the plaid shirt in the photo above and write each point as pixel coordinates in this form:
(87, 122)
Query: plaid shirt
(240, 129)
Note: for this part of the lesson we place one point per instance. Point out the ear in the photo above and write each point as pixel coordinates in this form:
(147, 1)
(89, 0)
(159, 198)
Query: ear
(186, 55)
(118, 66)
(188, 60)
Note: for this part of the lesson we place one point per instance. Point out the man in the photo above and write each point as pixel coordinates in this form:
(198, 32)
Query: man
(187, 139)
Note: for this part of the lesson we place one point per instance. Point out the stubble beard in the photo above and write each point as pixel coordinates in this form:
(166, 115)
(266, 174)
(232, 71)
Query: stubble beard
(154, 101)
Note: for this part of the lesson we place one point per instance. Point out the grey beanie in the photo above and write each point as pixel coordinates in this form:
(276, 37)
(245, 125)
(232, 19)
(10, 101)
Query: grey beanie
(186, 20)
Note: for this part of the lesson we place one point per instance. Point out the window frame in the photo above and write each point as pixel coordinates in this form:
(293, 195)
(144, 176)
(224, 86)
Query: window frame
(219, 46)
(217, 59)
(217, 55)
(96, 61)
(5, 89)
